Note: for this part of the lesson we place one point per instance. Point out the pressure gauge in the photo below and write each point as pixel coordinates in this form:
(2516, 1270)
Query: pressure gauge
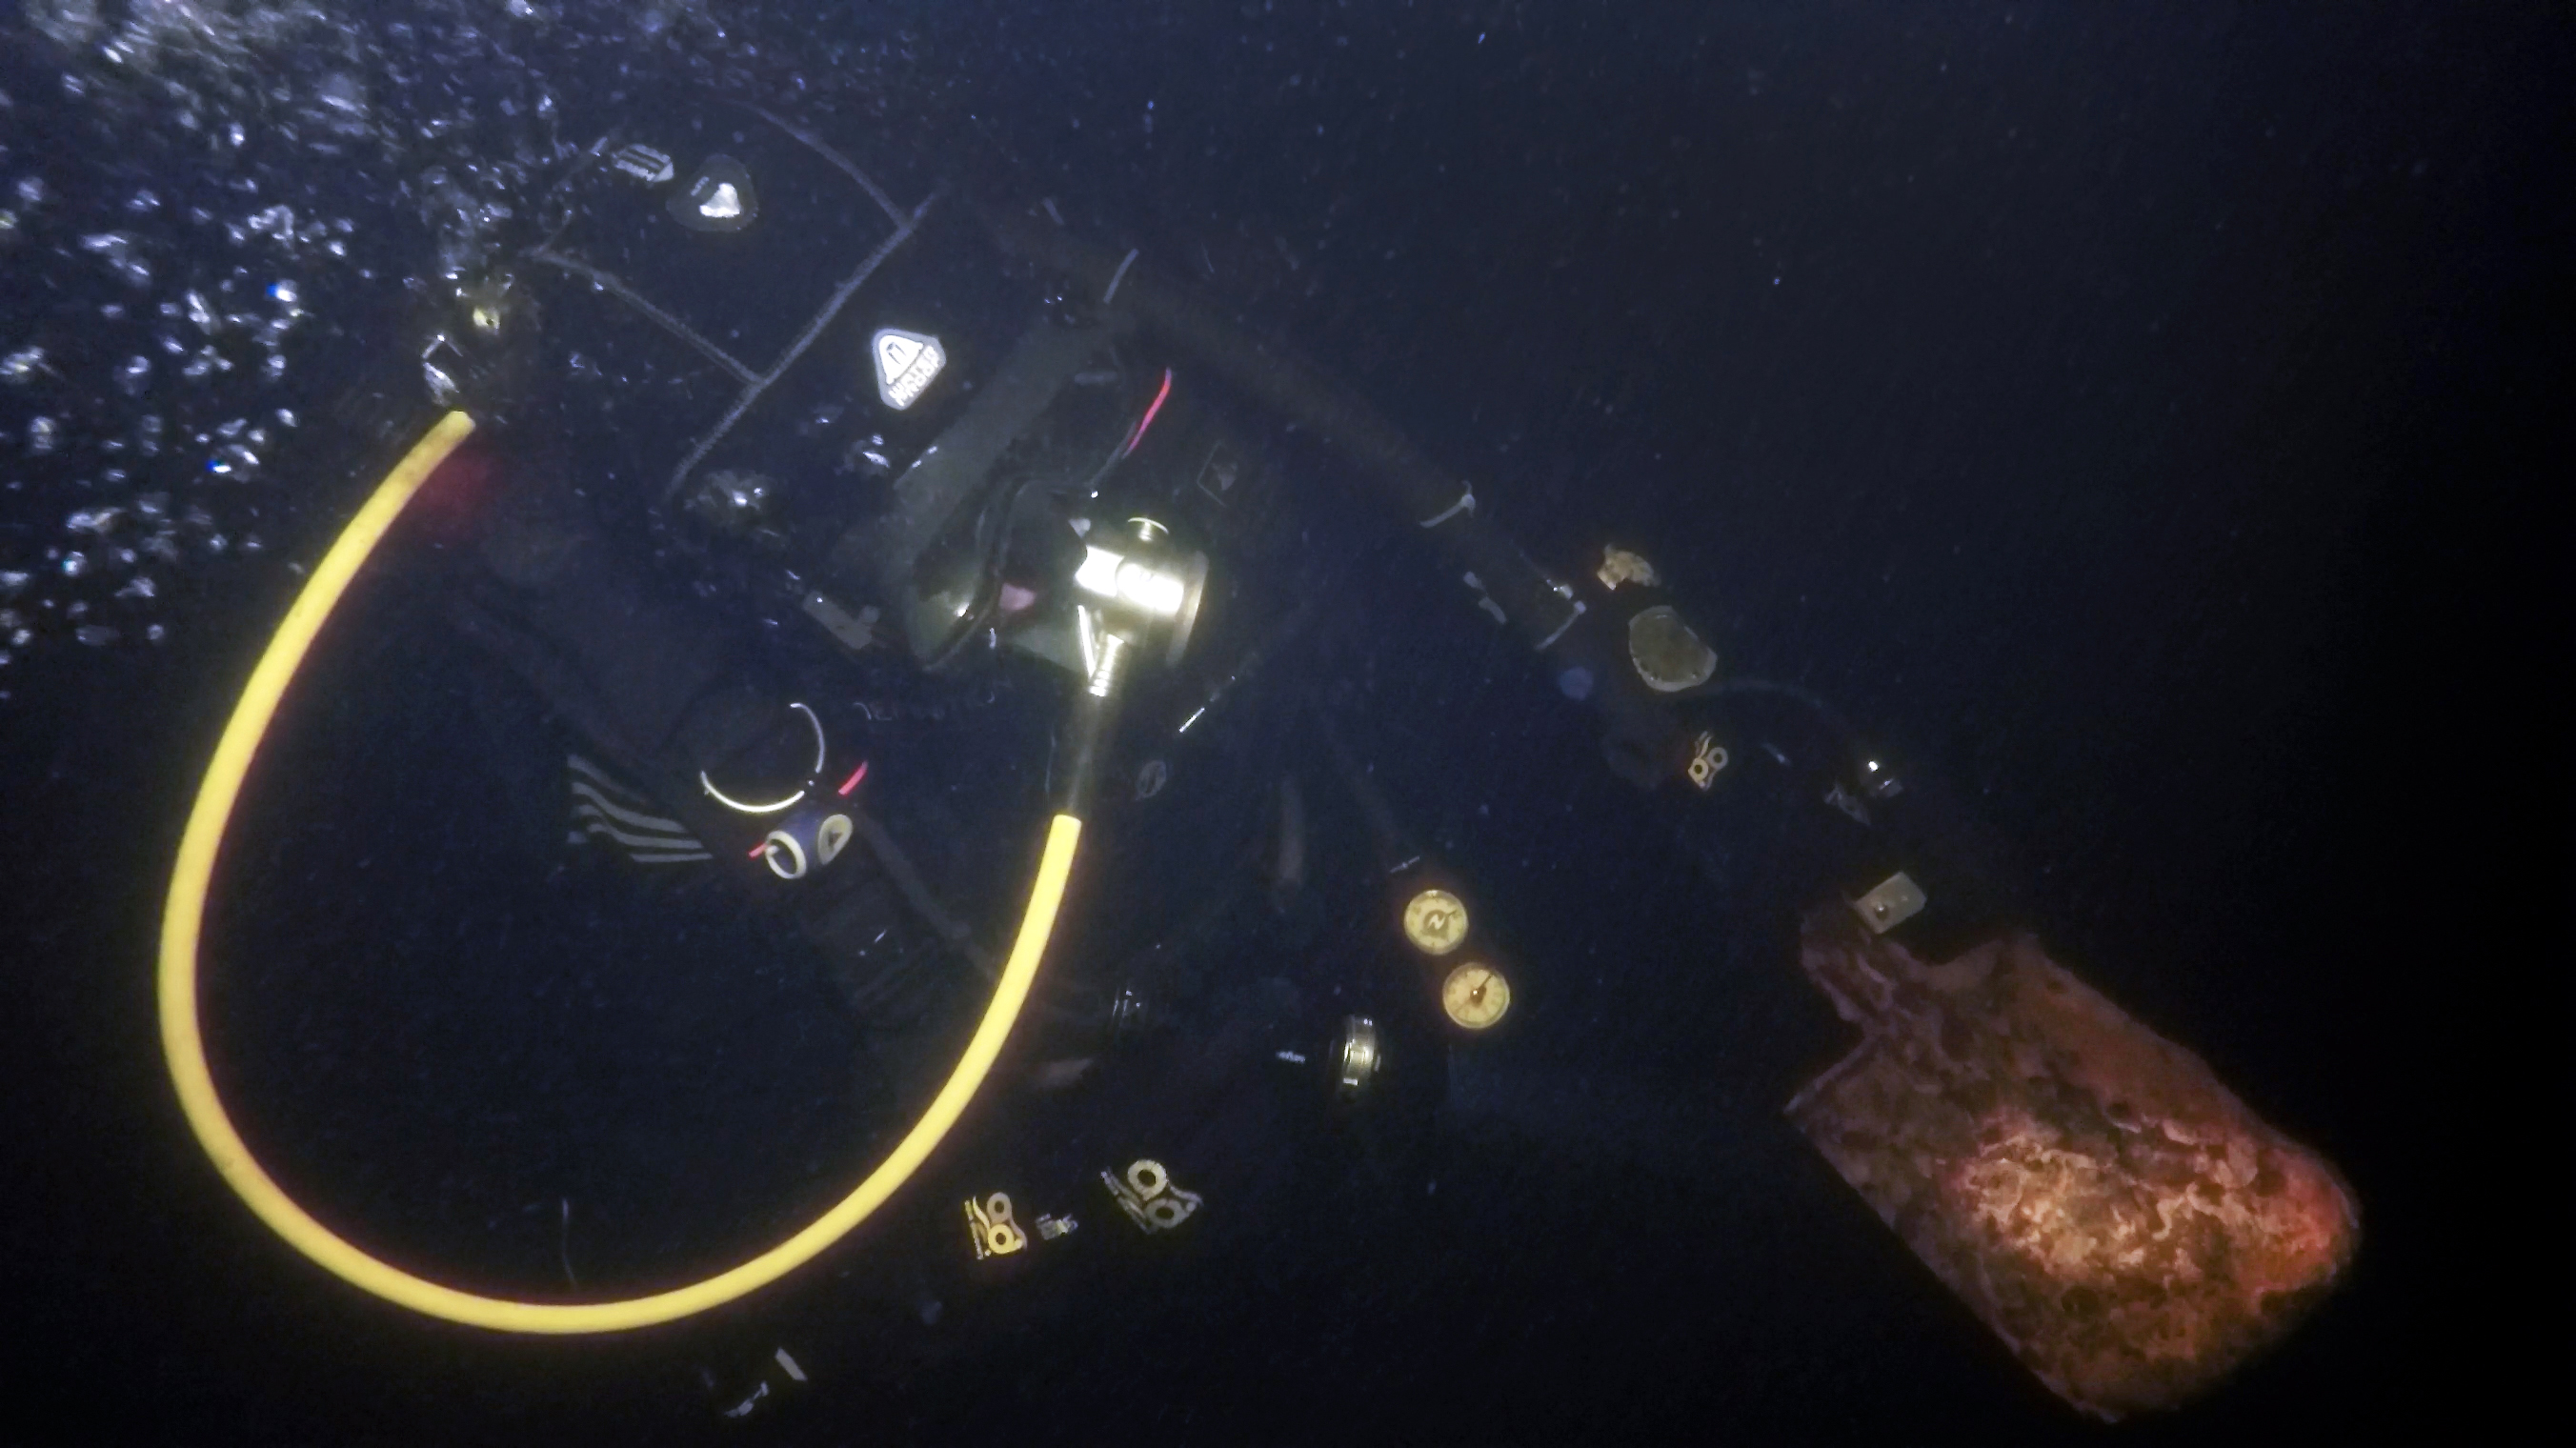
(1435, 921)
(1475, 996)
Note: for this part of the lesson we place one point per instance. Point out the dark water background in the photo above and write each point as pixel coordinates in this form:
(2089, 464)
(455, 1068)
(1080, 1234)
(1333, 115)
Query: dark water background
(2148, 417)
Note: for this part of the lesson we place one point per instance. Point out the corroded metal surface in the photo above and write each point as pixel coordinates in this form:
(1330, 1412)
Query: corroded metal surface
(2115, 1214)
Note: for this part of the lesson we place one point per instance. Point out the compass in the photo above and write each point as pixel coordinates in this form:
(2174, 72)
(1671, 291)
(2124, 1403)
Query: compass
(1435, 921)
(1475, 995)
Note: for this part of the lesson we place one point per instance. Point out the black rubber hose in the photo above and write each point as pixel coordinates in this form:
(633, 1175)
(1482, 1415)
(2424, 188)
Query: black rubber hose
(1545, 614)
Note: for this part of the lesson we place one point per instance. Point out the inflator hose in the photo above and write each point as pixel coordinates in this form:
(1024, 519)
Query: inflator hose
(183, 1042)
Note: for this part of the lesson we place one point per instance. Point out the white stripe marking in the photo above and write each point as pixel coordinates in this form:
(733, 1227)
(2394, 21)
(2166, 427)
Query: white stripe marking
(634, 817)
(598, 826)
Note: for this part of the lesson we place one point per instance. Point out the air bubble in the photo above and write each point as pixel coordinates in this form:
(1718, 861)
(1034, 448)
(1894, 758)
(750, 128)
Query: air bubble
(116, 248)
(96, 635)
(341, 92)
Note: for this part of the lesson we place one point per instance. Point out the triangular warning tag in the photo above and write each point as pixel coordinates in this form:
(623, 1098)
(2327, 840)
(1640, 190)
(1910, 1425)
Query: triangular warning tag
(719, 198)
(907, 362)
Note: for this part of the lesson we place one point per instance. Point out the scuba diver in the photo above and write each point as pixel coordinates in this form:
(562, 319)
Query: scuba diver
(869, 552)
(821, 552)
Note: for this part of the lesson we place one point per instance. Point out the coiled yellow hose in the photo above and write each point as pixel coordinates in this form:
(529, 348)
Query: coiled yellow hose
(183, 1042)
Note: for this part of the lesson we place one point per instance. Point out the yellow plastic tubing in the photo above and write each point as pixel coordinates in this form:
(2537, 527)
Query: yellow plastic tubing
(183, 1042)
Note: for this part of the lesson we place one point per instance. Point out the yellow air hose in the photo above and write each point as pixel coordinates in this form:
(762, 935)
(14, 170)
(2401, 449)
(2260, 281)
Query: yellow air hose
(183, 1041)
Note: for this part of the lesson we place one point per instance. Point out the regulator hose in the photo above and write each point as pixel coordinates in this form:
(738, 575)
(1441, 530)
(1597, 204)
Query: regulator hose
(183, 1041)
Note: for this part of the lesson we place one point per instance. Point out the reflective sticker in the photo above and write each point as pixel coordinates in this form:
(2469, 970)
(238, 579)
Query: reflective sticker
(785, 857)
(719, 198)
(1150, 1198)
(830, 836)
(643, 163)
(1708, 761)
(989, 1227)
(907, 363)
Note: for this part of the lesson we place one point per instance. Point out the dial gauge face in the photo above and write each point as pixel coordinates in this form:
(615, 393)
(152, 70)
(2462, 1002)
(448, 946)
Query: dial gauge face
(1475, 996)
(1435, 921)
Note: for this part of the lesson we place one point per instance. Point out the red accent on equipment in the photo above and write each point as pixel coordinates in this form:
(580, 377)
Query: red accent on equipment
(448, 509)
(1147, 420)
(852, 782)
